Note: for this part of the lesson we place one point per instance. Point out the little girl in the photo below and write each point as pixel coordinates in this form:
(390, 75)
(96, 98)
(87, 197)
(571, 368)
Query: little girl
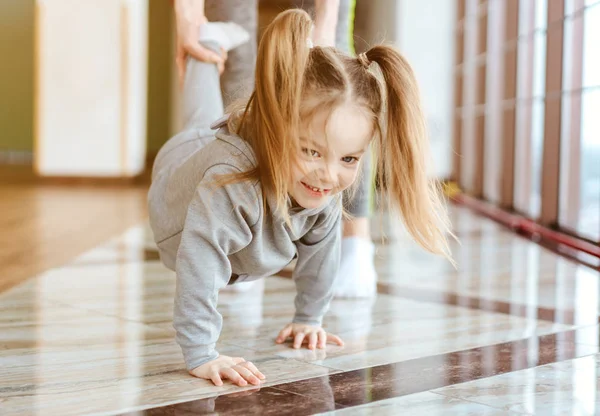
(240, 204)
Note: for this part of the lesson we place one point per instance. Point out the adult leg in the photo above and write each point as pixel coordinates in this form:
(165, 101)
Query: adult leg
(358, 277)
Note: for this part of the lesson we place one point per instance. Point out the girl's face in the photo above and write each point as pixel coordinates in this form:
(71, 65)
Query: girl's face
(332, 145)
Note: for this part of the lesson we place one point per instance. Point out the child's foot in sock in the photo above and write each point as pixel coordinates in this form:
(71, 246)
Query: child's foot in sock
(357, 277)
(227, 35)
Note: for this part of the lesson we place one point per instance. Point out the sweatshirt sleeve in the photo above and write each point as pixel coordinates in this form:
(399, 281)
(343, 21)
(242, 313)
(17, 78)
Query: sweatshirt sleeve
(317, 266)
(218, 223)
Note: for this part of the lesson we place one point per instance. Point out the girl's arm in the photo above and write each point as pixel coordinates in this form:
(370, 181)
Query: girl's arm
(218, 223)
(316, 268)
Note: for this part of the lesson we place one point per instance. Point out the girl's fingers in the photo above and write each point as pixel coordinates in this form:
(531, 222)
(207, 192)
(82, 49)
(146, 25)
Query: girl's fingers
(284, 334)
(246, 374)
(216, 378)
(250, 366)
(312, 340)
(233, 375)
(298, 339)
(322, 339)
(237, 360)
(335, 339)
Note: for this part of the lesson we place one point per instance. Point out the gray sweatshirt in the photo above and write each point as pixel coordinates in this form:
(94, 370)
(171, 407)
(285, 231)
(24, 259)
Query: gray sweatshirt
(215, 236)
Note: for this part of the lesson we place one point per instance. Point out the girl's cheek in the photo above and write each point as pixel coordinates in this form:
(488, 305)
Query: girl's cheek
(310, 167)
(348, 178)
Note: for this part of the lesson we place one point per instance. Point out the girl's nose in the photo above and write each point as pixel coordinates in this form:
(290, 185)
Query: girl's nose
(328, 175)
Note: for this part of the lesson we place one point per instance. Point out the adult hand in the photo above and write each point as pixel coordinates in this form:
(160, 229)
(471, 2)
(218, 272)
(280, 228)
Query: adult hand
(189, 16)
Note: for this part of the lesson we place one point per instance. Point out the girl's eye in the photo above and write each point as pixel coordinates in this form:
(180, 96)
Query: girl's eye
(310, 152)
(350, 160)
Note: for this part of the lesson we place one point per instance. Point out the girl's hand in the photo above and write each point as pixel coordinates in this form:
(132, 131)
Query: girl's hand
(315, 336)
(236, 369)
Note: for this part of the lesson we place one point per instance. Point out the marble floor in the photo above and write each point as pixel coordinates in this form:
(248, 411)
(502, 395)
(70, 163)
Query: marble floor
(514, 330)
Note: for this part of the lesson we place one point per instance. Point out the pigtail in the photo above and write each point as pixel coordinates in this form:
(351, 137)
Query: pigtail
(403, 154)
(271, 118)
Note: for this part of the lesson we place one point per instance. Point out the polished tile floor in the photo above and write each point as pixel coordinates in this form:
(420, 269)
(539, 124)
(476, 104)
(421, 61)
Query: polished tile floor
(513, 331)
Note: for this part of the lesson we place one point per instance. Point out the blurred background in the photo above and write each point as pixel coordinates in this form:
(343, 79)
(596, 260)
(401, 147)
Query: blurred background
(101, 75)
(88, 95)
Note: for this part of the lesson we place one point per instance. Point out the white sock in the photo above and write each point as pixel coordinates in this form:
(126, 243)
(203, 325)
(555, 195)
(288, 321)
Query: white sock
(357, 277)
(227, 35)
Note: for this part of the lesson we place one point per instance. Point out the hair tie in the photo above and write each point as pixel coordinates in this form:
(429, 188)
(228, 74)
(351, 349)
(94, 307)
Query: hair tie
(364, 61)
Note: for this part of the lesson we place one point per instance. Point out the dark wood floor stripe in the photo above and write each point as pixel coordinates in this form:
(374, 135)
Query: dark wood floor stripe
(368, 385)
(267, 401)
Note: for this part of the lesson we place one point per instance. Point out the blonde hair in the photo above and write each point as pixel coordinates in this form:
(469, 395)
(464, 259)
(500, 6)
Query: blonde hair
(294, 81)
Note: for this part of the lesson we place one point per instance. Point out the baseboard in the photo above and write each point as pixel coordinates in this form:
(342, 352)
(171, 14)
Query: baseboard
(17, 167)
(16, 157)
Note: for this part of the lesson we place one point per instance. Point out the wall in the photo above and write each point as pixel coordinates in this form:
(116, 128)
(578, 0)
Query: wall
(16, 74)
(160, 65)
(423, 30)
(424, 33)
(375, 22)
(427, 39)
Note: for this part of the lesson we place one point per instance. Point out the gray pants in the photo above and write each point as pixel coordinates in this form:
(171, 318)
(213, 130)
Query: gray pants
(202, 105)
(238, 79)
